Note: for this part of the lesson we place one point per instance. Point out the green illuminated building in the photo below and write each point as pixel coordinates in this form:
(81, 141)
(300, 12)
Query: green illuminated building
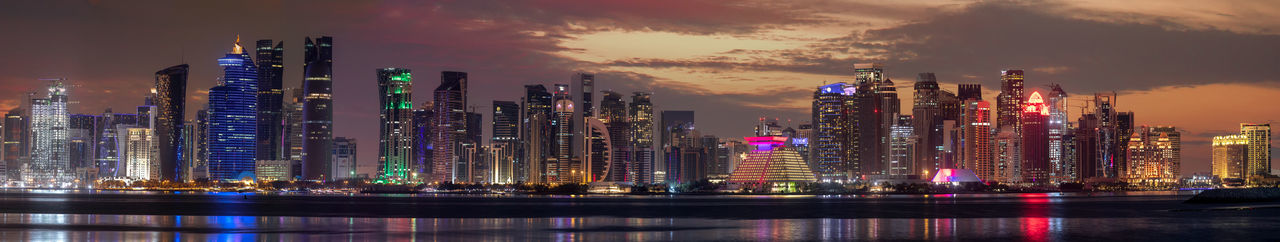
(395, 144)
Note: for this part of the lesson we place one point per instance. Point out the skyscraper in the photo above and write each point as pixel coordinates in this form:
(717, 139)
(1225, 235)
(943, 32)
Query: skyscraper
(201, 167)
(270, 62)
(1230, 155)
(827, 146)
(536, 133)
(395, 147)
(423, 124)
(927, 111)
(1035, 140)
(450, 124)
(976, 126)
(137, 149)
(1154, 156)
(1060, 170)
(294, 138)
(170, 101)
(233, 118)
(1258, 158)
(675, 125)
(317, 114)
(902, 145)
(16, 142)
(584, 107)
(641, 117)
(563, 166)
(613, 112)
(50, 160)
(504, 146)
(1009, 104)
(1008, 156)
(1107, 137)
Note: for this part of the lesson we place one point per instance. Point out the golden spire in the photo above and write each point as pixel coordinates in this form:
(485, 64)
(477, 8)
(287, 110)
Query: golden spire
(237, 49)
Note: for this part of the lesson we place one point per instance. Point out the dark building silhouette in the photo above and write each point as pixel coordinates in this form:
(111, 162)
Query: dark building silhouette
(317, 114)
(170, 100)
(270, 61)
(535, 133)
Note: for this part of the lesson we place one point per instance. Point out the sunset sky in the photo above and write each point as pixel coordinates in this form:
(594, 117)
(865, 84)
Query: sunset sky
(1202, 66)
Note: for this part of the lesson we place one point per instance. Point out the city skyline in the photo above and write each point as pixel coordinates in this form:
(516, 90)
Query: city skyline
(354, 86)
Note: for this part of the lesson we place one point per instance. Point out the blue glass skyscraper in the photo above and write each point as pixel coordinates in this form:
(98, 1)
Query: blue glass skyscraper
(233, 118)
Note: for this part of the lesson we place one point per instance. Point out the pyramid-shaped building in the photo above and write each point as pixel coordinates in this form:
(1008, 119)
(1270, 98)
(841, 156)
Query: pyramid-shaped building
(771, 162)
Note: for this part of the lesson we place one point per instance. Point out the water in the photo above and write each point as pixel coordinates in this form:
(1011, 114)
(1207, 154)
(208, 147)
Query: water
(148, 216)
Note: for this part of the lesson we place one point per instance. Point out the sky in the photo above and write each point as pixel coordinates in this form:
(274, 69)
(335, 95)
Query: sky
(1201, 66)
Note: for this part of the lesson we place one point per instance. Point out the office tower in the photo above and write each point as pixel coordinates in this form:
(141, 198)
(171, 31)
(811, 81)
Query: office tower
(597, 152)
(1086, 147)
(1230, 157)
(535, 133)
(1009, 104)
(294, 137)
(640, 114)
(423, 124)
(584, 107)
(50, 161)
(16, 145)
(201, 167)
(902, 145)
(233, 118)
(927, 112)
(81, 139)
(976, 126)
(1258, 158)
(170, 101)
(1107, 136)
(827, 148)
(317, 114)
(1008, 156)
(1124, 128)
(886, 112)
(138, 145)
(395, 147)
(1035, 140)
(683, 154)
(613, 114)
(450, 124)
(673, 122)
(506, 138)
(562, 166)
(270, 62)
(771, 162)
(344, 159)
(471, 165)
(1059, 168)
(1154, 156)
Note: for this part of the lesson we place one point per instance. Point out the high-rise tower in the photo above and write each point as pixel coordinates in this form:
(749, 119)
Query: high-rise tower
(170, 101)
(450, 124)
(640, 115)
(395, 148)
(50, 121)
(317, 105)
(1035, 140)
(233, 118)
(270, 61)
(1009, 104)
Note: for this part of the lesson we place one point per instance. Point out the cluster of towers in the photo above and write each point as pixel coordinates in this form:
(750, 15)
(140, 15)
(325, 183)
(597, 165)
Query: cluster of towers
(859, 133)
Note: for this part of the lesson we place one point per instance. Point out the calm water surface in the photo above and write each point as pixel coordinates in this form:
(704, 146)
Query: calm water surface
(1025, 217)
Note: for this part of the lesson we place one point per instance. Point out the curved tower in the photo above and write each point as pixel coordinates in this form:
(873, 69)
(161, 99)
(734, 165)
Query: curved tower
(317, 109)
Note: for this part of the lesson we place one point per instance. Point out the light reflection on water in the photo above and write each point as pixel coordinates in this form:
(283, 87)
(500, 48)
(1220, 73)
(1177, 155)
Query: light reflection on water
(80, 227)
